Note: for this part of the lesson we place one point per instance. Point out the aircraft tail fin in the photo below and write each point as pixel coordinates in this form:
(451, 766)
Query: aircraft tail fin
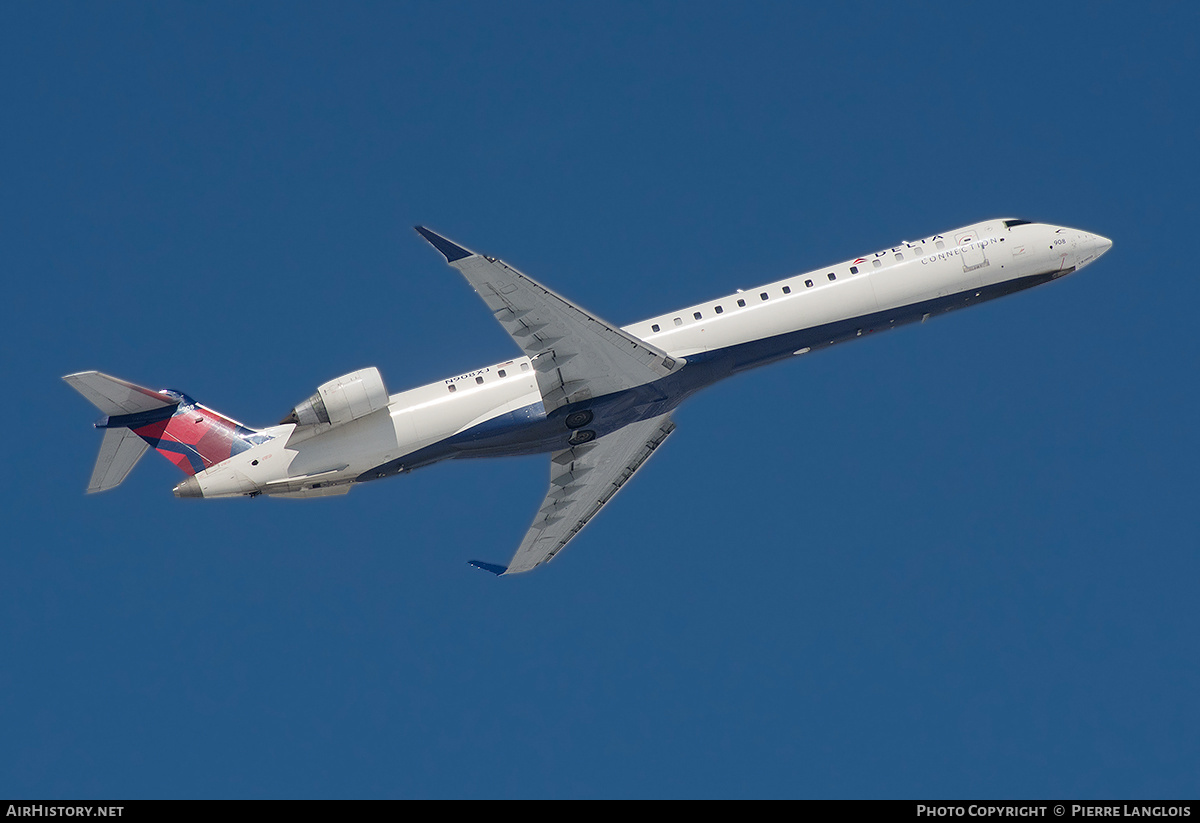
(190, 435)
(120, 451)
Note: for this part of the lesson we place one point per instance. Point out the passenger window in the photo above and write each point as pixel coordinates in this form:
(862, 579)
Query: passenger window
(479, 379)
(854, 269)
(940, 244)
(678, 321)
(696, 315)
(832, 276)
(524, 367)
(763, 296)
(808, 284)
(787, 289)
(876, 263)
(453, 388)
(918, 251)
(742, 303)
(899, 256)
(502, 373)
(718, 310)
(654, 327)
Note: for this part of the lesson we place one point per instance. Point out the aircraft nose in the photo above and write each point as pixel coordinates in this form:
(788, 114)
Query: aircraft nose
(1093, 245)
(1089, 247)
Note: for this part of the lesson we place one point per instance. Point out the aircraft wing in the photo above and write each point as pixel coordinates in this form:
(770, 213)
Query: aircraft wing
(582, 479)
(576, 355)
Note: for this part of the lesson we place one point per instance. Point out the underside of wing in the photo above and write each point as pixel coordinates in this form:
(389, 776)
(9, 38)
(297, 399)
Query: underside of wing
(576, 355)
(582, 479)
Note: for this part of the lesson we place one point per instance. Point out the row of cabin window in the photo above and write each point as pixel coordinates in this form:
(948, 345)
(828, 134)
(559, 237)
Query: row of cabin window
(808, 284)
(742, 302)
(479, 378)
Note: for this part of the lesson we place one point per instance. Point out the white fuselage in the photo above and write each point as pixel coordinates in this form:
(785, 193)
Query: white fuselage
(498, 409)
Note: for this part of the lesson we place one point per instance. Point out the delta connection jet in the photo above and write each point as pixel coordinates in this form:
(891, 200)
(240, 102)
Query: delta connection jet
(595, 398)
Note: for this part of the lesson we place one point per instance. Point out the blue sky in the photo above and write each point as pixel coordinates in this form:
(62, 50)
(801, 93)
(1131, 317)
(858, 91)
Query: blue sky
(958, 560)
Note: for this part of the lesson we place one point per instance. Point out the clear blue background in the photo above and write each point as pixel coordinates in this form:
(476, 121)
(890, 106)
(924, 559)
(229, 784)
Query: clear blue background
(958, 560)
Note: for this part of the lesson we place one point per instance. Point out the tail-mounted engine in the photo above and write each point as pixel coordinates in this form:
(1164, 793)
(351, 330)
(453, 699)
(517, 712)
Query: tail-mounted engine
(339, 401)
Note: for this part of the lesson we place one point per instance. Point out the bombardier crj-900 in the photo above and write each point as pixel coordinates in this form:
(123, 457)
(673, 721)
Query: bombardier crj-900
(594, 397)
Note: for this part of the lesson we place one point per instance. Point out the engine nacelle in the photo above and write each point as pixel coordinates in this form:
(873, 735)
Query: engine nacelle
(339, 401)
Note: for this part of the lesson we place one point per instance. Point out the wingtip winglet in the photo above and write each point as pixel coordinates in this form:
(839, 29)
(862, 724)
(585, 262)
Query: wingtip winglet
(488, 567)
(451, 251)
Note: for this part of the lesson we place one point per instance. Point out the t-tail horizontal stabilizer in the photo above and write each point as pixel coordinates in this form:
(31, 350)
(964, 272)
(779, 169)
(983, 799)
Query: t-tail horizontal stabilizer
(114, 396)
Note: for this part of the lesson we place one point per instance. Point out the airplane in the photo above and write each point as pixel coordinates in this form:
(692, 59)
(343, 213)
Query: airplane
(596, 398)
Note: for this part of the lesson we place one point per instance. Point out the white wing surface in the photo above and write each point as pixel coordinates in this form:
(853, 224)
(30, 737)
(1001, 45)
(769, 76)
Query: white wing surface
(577, 356)
(582, 479)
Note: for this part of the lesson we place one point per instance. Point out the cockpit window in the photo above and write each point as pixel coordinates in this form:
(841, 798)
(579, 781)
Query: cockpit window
(1008, 224)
